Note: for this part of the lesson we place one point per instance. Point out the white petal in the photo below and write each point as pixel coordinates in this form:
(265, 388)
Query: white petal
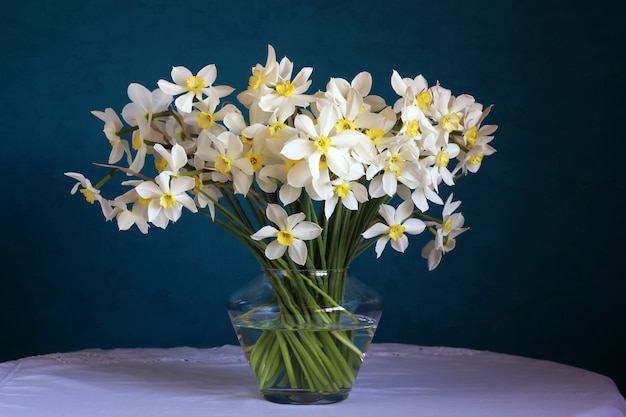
(380, 245)
(274, 250)
(305, 124)
(299, 175)
(398, 85)
(387, 212)
(179, 157)
(327, 120)
(181, 184)
(180, 74)
(208, 74)
(337, 162)
(170, 88)
(148, 189)
(363, 83)
(350, 202)
(298, 252)
(414, 226)
(401, 244)
(348, 138)
(184, 102)
(187, 202)
(298, 149)
(404, 211)
(329, 206)
(140, 95)
(390, 183)
(265, 232)
(377, 229)
(289, 194)
(306, 230)
(277, 215)
(294, 219)
(360, 192)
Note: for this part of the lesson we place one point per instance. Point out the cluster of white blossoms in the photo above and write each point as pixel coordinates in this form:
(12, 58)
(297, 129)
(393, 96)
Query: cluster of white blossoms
(341, 146)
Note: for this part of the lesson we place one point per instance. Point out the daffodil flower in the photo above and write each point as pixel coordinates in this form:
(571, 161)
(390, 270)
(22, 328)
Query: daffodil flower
(88, 191)
(193, 86)
(447, 231)
(168, 195)
(290, 235)
(112, 125)
(398, 225)
(127, 217)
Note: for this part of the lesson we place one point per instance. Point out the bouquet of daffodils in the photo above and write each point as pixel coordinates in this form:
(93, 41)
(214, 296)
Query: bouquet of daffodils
(303, 180)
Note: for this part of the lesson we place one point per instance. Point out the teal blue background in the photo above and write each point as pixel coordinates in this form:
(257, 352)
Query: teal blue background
(540, 272)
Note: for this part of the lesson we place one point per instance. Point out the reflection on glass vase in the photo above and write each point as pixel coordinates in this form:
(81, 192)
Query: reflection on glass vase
(305, 332)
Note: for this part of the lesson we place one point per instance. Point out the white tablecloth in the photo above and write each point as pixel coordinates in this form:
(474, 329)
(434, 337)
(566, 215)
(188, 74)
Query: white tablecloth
(403, 380)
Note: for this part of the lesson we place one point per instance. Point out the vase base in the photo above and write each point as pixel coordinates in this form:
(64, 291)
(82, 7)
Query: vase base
(303, 397)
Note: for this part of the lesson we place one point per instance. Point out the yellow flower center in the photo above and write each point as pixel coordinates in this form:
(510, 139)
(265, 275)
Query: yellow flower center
(448, 226)
(205, 120)
(343, 124)
(395, 163)
(285, 237)
(195, 84)
(443, 158)
(274, 128)
(222, 164)
(168, 200)
(471, 136)
(323, 144)
(197, 184)
(286, 89)
(160, 164)
(144, 201)
(413, 128)
(323, 163)
(396, 231)
(137, 141)
(255, 80)
(343, 190)
(424, 100)
(475, 160)
(451, 121)
(89, 195)
(290, 163)
(256, 160)
(246, 140)
(375, 134)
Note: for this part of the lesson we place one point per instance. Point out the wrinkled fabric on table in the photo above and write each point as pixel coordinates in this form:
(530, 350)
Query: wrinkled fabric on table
(404, 379)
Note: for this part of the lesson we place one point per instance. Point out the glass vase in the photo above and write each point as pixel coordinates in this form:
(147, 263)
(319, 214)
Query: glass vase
(305, 332)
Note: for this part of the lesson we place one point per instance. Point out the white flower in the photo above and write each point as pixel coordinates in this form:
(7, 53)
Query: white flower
(136, 215)
(322, 149)
(447, 231)
(351, 193)
(194, 86)
(290, 235)
(226, 154)
(112, 125)
(176, 158)
(398, 223)
(88, 191)
(168, 195)
(287, 95)
(144, 103)
(412, 91)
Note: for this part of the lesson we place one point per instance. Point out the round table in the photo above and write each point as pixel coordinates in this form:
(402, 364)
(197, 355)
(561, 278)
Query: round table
(404, 380)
